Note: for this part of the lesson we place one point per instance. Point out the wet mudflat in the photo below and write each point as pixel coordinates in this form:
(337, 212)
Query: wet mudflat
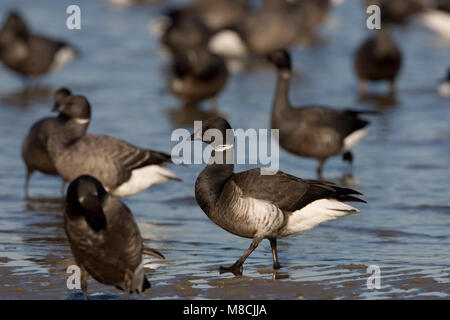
(402, 168)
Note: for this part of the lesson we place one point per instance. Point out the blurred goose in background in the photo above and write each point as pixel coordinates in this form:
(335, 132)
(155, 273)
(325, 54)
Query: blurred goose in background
(443, 5)
(214, 14)
(104, 237)
(28, 54)
(258, 34)
(130, 3)
(437, 18)
(378, 58)
(312, 131)
(310, 14)
(399, 11)
(123, 169)
(198, 74)
(182, 32)
(260, 206)
(35, 145)
(444, 86)
(192, 25)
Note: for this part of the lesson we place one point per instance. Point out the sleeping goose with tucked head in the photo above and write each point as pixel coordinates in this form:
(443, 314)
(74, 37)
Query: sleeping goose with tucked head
(35, 145)
(313, 131)
(28, 54)
(104, 237)
(123, 168)
(259, 206)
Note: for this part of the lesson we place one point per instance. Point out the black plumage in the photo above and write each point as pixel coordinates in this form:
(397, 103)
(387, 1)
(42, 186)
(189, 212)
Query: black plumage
(114, 162)
(198, 74)
(312, 130)
(28, 54)
(260, 206)
(35, 145)
(104, 237)
(378, 58)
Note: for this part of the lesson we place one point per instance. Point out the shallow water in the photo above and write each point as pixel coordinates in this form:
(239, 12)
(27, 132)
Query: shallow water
(402, 168)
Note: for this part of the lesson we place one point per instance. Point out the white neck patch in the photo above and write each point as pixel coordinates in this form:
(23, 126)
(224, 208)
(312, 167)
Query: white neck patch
(223, 147)
(81, 121)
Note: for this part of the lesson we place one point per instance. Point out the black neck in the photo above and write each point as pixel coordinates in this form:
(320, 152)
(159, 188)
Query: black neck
(70, 132)
(281, 105)
(212, 179)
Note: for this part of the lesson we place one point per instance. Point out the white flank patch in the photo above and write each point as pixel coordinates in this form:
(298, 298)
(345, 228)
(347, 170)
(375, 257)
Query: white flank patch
(122, 3)
(143, 178)
(437, 21)
(159, 25)
(353, 139)
(62, 57)
(177, 85)
(315, 213)
(444, 89)
(81, 121)
(228, 43)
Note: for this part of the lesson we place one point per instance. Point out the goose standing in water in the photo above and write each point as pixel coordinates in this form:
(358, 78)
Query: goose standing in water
(378, 58)
(123, 168)
(104, 237)
(252, 205)
(444, 86)
(198, 74)
(312, 131)
(28, 54)
(35, 145)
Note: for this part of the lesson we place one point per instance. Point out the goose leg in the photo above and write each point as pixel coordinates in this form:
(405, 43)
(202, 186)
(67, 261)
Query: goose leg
(214, 104)
(236, 268)
(348, 156)
(84, 277)
(363, 87)
(273, 244)
(319, 169)
(27, 180)
(63, 187)
(392, 87)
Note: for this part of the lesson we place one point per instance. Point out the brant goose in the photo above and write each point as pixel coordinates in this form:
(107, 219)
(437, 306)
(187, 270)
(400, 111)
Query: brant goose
(130, 3)
(253, 205)
(444, 86)
(257, 35)
(214, 14)
(378, 58)
(399, 11)
(310, 14)
(312, 131)
(31, 55)
(179, 32)
(104, 237)
(192, 25)
(198, 74)
(437, 19)
(35, 145)
(123, 169)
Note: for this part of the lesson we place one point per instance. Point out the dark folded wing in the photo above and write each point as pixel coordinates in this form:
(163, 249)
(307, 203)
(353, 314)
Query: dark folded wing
(287, 192)
(127, 155)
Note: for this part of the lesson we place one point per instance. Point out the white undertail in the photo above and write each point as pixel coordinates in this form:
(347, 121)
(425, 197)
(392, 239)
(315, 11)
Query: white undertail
(315, 213)
(143, 178)
(353, 139)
